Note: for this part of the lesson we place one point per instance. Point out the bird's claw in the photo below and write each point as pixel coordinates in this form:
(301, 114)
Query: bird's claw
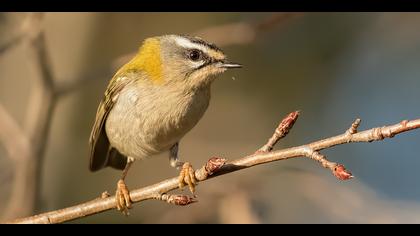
(187, 177)
(122, 197)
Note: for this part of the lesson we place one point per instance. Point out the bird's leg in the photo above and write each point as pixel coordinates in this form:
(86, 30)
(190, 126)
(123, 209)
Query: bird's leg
(186, 175)
(122, 195)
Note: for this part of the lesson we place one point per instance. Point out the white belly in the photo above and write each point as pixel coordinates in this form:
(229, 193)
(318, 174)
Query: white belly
(149, 121)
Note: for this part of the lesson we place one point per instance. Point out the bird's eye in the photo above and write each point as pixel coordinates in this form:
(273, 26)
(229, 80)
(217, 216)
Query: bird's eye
(194, 55)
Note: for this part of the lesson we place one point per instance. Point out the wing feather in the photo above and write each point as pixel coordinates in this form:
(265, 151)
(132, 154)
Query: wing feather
(102, 154)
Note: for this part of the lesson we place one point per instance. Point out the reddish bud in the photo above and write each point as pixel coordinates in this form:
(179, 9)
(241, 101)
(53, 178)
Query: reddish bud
(214, 164)
(341, 173)
(287, 123)
(181, 200)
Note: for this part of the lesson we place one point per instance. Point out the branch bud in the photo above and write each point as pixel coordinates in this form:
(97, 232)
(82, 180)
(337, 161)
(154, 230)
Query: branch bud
(341, 173)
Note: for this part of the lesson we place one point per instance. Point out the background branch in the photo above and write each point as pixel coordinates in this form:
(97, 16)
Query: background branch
(12, 137)
(26, 146)
(28, 28)
(243, 33)
(218, 166)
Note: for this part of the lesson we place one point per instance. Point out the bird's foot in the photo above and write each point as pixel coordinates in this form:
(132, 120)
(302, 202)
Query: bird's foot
(122, 197)
(187, 177)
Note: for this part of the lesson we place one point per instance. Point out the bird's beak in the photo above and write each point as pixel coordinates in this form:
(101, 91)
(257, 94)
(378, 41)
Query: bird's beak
(227, 64)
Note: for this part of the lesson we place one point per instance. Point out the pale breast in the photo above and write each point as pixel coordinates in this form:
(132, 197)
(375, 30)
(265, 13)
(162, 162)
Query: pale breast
(148, 120)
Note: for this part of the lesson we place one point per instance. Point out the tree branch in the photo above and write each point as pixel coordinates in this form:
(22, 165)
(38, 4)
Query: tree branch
(218, 166)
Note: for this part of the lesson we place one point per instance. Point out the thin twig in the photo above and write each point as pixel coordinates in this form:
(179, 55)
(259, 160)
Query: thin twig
(281, 131)
(217, 166)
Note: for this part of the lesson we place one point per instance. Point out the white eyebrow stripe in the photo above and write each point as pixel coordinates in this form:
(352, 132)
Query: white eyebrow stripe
(186, 43)
(197, 64)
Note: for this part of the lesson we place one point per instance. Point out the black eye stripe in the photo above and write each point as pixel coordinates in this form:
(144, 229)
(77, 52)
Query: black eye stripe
(207, 63)
(211, 61)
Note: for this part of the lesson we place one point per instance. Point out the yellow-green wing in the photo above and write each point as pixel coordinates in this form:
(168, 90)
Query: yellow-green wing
(102, 154)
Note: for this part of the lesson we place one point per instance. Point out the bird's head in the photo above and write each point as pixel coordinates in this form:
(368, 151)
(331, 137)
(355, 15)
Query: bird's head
(182, 60)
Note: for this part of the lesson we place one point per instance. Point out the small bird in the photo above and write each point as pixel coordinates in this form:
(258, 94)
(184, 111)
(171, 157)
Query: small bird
(151, 103)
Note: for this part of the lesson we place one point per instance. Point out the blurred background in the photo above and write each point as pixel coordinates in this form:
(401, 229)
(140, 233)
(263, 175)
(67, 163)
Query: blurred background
(333, 67)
